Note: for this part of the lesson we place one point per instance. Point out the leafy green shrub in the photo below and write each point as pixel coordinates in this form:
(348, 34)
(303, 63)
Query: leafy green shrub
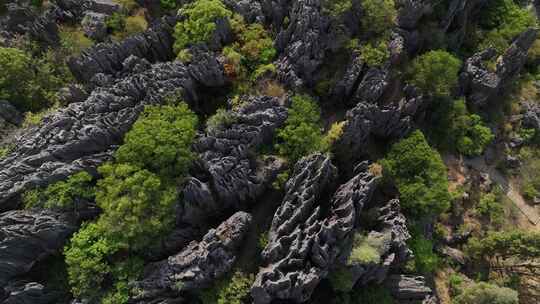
(460, 130)
(18, 82)
(379, 16)
(86, 257)
(503, 20)
(137, 206)
(341, 280)
(264, 69)
(375, 54)
(73, 40)
(455, 281)
(160, 140)
(436, 72)
(220, 121)
(168, 4)
(281, 180)
(116, 22)
(486, 293)
(232, 290)
(372, 294)
(332, 136)
(529, 172)
(62, 194)
(256, 45)
(490, 206)
(420, 176)
(367, 249)
(425, 260)
(199, 23)
(518, 244)
(336, 7)
(301, 134)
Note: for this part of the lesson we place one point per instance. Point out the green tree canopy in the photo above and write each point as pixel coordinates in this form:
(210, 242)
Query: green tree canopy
(160, 140)
(436, 72)
(199, 22)
(485, 293)
(301, 133)
(420, 175)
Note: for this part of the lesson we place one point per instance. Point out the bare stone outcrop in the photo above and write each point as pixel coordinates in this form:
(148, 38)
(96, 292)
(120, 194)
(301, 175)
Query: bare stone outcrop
(409, 288)
(83, 135)
(392, 121)
(304, 242)
(27, 237)
(482, 86)
(200, 263)
(155, 45)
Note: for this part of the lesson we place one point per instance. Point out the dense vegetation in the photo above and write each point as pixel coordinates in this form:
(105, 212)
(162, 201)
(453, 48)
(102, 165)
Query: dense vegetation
(137, 194)
(455, 208)
(419, 174)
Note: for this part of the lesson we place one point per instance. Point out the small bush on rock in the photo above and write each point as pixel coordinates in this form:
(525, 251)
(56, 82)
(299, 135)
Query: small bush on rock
(199, 23)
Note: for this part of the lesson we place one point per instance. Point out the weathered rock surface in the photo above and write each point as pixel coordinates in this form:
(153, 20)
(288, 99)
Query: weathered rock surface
(393, 233)
(482, 86)
(154, 44)
(304, 243)
(83, 135)
(27, 237)
(21, 19)
(294, 255)
(302, 43)
(531, 115)
(200, 263)
(408, 288)
(235, 177)
(391, 121)
(94, 26)
(27, 293)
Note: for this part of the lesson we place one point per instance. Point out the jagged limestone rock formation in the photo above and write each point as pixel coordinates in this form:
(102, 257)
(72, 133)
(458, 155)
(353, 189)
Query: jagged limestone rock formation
(199, 264)
(393, 233)
(409, 288)
(305, 243)
(229, 177)
(294, 259)
(83, 135)
(392, 121)
(27, 237)
(155, 45)
(27, 293)
(302, 43)
(226, 154)
(482, 86)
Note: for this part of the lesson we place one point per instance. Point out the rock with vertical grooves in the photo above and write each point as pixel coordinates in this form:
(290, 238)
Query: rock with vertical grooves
(304, 243)
(235, 176)
(392, 121)
(28, 293)
(303, 44)
(482, 86)
(199, 264)
(155, 45)
(83, 135)
(408, 288)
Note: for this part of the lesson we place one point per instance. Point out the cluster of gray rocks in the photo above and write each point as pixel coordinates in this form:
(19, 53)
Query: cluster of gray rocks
(313, 229)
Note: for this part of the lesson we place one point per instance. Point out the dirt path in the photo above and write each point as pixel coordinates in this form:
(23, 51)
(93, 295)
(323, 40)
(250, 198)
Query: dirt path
(509, 188)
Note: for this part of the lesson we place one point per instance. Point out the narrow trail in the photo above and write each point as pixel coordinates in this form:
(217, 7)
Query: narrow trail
(531, 213)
